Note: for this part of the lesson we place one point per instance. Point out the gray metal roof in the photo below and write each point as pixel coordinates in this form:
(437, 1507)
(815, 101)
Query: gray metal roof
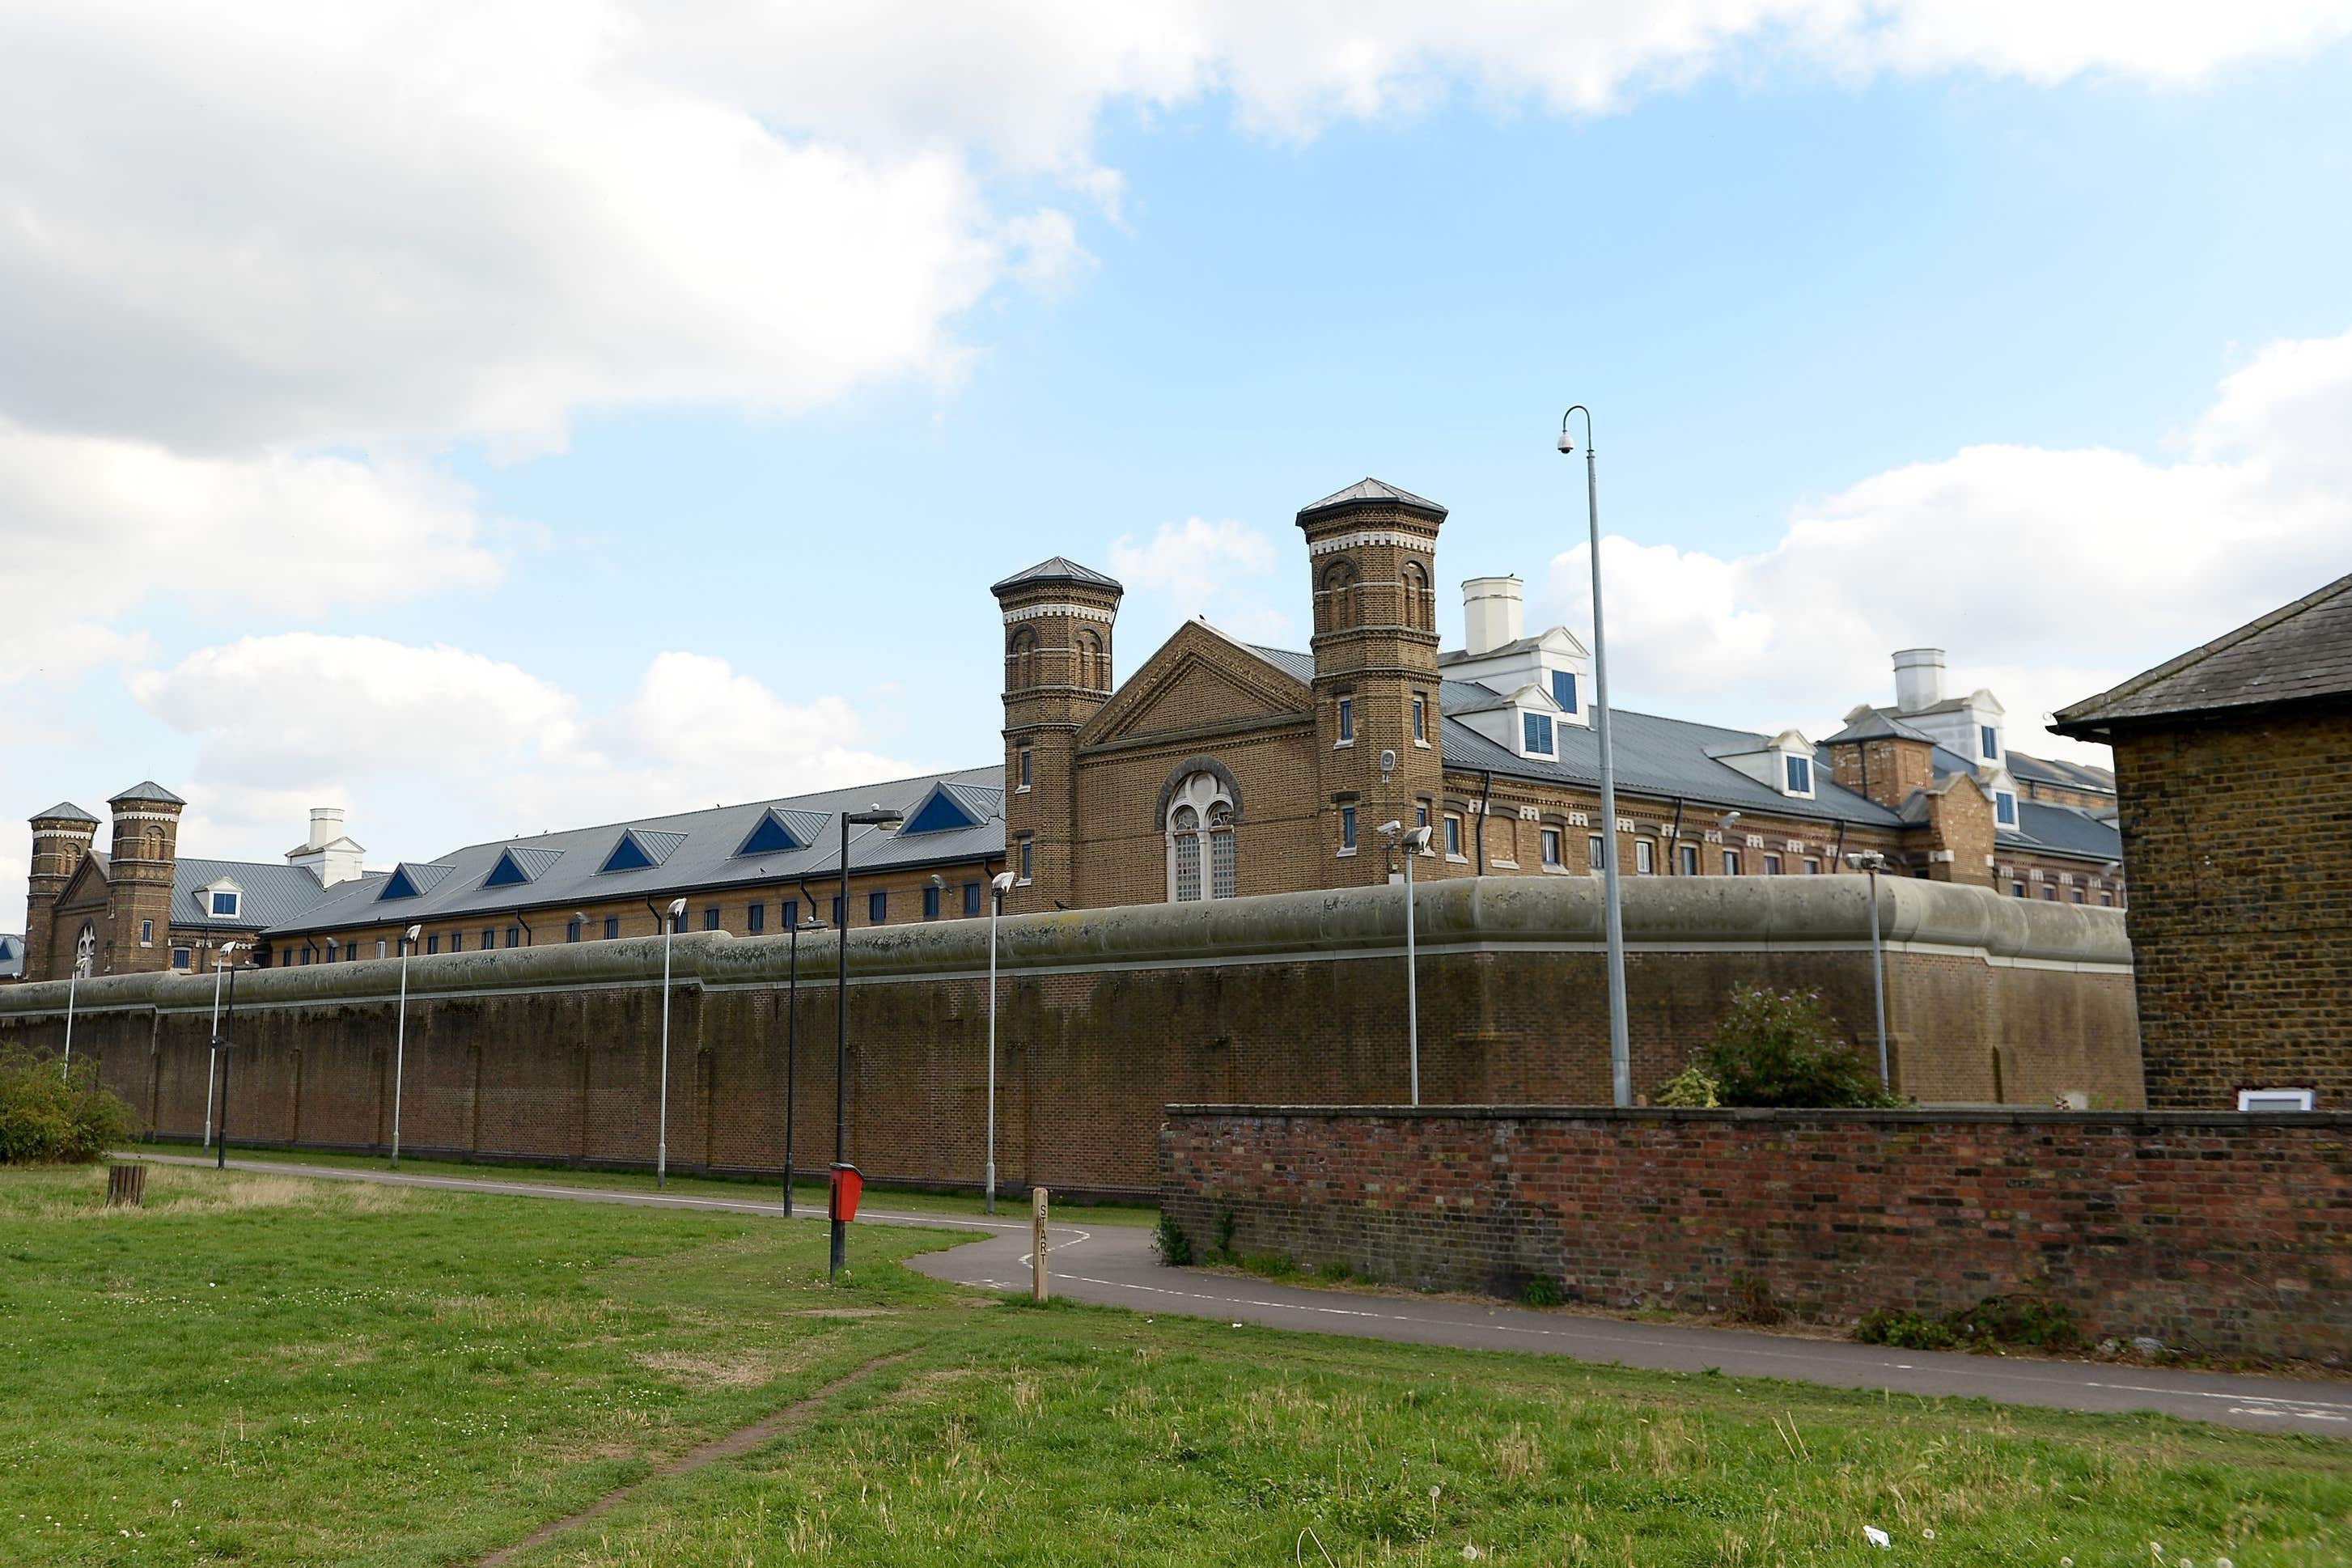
(1058, 569)
(271, 893)
(697, 850)
(1373, 493)
(2298, 653)
(2061, 830)
(1877, 724)
(147, 789)
(12, 955)
(2071, 776)
(64, 810)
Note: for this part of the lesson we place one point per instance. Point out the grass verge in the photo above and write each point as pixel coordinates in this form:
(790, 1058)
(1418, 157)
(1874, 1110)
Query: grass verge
(262, 1369)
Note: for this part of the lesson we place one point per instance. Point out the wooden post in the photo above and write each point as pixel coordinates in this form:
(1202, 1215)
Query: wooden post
(1037, 1244)
(126, 1186)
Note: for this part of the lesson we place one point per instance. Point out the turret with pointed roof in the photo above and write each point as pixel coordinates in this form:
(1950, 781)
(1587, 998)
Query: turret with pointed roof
(1058, 618)
(61, 841)
(146, 846)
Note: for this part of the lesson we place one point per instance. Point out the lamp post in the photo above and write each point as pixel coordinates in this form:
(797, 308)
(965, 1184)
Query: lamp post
(212, 1054)
(1620, 1056)
(873, 817)
(1872, 861)
(400, 1039)
(221, 1048)
(1412, 844)
(792, 1049)
(998, 886)
(661, 1137)
(73, 981)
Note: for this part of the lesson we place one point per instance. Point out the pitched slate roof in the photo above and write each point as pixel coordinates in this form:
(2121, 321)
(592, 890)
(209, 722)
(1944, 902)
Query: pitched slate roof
(271, 892)
(696, 851)
(147, 789)
(2053, 830)
(1657, 757)
(1877, 724)
(1373, 493)
(65, 810)
(2298, 653)
(1058, 569)
(2068, 775)
(12, 955)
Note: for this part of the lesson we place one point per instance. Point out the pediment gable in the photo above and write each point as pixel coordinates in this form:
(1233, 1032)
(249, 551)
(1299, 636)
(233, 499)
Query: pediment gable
(87, 887)
(1200, 677)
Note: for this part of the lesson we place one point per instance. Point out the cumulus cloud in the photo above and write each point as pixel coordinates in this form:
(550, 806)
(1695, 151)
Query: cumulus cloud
(430, 746)
(2047, 574)
(1222, 569)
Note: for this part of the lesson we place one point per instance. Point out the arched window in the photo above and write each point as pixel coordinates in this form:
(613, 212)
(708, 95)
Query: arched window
(1093, 669)
(1020, 660)
(1420, 603)
(1336, 606)
(86, 950)
(1200, 808)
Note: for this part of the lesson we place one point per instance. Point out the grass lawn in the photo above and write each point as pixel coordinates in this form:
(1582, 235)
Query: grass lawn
(806, 1194)
(270, 1370)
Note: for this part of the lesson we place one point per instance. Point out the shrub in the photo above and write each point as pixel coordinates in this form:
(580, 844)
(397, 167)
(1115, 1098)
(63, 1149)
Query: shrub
(1778, 1049)
(1271, 1265)
(1175, 1246)
(49, 1115)
(1690, 1089)
(1751, 1301)
(1540, 1290)
(1904, 1330)
(2021, 1319)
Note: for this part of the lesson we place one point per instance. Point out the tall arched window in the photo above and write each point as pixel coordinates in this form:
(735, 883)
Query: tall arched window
(1420, 603)
(1336, 609)
(1020, 660)
(86, 950)
(1200, 808)
(1094, 668)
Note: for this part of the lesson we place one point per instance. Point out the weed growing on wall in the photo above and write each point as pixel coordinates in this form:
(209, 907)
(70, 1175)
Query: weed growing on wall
(1780, 1048)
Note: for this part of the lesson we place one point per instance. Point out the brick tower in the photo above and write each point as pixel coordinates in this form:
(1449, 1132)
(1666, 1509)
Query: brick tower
(61, 837)
(146, 844)
(1371, 555)
(1058, 623)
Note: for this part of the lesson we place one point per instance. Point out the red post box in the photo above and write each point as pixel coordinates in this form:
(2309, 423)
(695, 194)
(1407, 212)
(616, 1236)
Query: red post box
(847, 1184)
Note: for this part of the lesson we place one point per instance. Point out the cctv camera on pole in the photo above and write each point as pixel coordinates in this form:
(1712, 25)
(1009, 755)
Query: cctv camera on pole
(1414, 844)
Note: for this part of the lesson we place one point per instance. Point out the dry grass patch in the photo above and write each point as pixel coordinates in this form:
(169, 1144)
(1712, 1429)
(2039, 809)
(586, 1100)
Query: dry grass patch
(749, 1368)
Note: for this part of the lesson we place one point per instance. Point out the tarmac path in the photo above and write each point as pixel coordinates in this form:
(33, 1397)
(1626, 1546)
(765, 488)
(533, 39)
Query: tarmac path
(1115, 1266)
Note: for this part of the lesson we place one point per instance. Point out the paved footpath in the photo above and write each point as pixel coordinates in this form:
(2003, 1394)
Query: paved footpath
(1115, 1266)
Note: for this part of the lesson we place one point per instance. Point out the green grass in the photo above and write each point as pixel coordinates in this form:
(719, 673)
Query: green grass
(808, 1195)
(269, 1369)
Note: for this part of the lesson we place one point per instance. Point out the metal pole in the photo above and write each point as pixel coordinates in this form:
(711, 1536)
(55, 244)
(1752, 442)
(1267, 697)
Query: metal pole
(791, 1054)
(1620, 1056)
(661, 1135)
(840, 1250)
(220, 1144)
(1411, 985)
(399, 1053)
(73, 979)
(212, 1054)
(995, 907)
(1877, 982)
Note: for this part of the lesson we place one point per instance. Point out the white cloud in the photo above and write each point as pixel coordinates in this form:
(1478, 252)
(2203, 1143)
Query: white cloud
(2046, 574)
(99, 526)
(1221, 570)
(430, 747)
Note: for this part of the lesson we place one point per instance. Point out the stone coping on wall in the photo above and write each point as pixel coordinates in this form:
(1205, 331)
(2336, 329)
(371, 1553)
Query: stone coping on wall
(1471, 915)
(2001, 1116)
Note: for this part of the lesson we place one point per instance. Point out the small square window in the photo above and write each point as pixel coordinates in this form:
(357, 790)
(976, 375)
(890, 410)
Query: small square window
(379, 947)
(1420, 814)
(1535, 732)
(1813, 866)
(181, 958)
(1453, 834)
(1645, 857)
(790, 910)
(2076, 893)
(573, 930)
(1771, 865)
(2277, 1100)
(514, 936)
(1731, 862)
(1563, 689)
(971, 896)
(1347, 827)
(1988, 742)
(1420, 717)
(2049, 892)
(2004, 808)
(1687, 859)
(1550, 838)
(225, 904)
(755, 918)
(710, 918)
(433, 942)
(1347, 721)
(837, 921)
(2017, 889)
(1597, 851)
(1801, 775)
(612, 928)
(877, 907)
(456, 944)
(930, 902)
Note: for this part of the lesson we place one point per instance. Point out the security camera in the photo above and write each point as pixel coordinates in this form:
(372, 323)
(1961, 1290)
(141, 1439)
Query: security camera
(1567, 443)
(1001, 882)
(1388, 762)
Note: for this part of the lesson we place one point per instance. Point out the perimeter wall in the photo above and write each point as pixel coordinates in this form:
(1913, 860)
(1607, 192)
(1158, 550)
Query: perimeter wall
(1106, 1017)
(2223, 1231)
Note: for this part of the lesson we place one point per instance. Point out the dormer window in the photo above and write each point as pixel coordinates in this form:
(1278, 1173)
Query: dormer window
(1988, 742)
(225, 902)
(1800, 774)
(2004, 808)
(1535, 734)
(1563, 689)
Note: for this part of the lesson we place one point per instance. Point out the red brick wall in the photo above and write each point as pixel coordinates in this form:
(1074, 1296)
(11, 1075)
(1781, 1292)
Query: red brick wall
(2225, 1232)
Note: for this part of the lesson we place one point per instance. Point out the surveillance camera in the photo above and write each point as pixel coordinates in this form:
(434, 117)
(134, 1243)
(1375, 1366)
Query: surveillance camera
(1567, 442)
(1388, 762)
(1390, 829)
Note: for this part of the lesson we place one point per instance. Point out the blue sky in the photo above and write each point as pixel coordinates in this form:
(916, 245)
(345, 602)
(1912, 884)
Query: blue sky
(476, 531)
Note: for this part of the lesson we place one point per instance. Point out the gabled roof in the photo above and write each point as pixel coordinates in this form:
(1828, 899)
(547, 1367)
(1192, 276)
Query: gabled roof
(2068, 775)
(147, 789)
(1373, 493)
(519, 865)
(2298, 653)
(782, 830)
(949, 806)
(412, 880)
(267, 892)
(2069, 830)
(63, 811)
(1876, 724)
(1058, 569)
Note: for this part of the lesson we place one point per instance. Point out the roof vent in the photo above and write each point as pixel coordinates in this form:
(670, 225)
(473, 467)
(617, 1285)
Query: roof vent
(1918, 679)
(1494, 613)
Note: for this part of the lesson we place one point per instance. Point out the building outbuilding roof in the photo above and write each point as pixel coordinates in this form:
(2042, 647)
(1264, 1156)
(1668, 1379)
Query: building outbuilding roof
(65, 811)
(1877, 724)
(1373, 493)
(147, 789)
(1058, 569)
(2300, 652)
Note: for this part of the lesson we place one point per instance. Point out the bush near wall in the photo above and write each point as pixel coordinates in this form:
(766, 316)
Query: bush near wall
(52, 1113)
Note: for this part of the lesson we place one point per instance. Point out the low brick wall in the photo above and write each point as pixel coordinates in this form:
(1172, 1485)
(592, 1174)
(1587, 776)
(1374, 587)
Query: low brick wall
(2213, 1231)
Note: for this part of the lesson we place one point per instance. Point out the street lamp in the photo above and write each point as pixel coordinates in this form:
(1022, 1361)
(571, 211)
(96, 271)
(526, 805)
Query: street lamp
(792, 1049)
(1413, 843)
(73, 981)
(661, 1137)
(998, 886)
(873, 817)
(1620, 1056)
(1872, 861)
(221, 1048)
(400, 1040)
(211, 1055)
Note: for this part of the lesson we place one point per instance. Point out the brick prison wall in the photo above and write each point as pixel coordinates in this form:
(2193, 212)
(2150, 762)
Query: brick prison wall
(2225, 1232)
(1106, 1017)
(2239, 839)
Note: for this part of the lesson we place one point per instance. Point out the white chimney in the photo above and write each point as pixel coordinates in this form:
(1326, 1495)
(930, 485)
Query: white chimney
(1493, 615)
(1918, 679)
(326, 826)
(328, 853)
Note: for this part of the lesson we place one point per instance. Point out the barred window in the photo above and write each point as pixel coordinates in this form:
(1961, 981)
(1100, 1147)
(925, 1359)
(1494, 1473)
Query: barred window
(1200, 808)
(1185, 828)
(1221, 870)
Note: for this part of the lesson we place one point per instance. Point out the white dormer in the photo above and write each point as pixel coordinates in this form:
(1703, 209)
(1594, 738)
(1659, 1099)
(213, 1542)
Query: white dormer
(1784, 764)
(327, 853)
(1497, 654)
(1525, 723)
(2001, 790)
(1968, 727)
(220, 900)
